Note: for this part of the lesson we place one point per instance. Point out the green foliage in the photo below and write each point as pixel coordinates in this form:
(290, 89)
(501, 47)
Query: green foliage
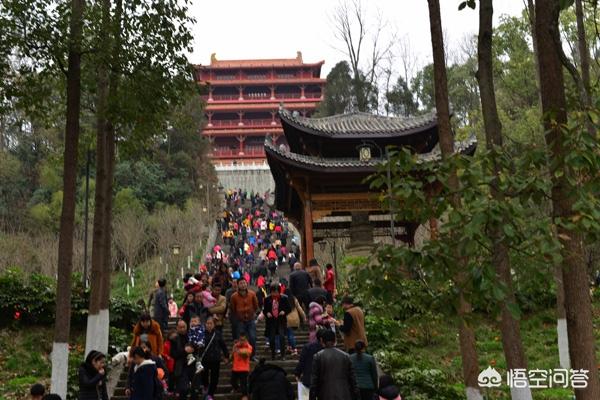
(345, 92)
(127, 200)
(338, 91)
(33, 296)
(400, 100)
(425, 384)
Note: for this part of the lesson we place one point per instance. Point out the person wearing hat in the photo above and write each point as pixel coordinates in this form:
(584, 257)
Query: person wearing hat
(353, 326)
(92, 377)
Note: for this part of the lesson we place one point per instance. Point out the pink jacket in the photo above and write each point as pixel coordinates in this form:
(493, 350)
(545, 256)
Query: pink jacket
(315, 317)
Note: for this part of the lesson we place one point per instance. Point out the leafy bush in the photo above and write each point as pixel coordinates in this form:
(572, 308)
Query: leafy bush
(124, 313)
(27, 299)
(31, 299)
(426, 384)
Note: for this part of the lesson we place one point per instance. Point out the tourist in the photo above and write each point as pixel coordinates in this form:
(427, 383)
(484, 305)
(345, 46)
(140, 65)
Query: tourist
(169, 360)
(148, 330)
(328, 320)
(244, 305)
(365, 369)
(173, 310)
(196, 336)
(300, 282)
(353, 327)
(161, 306)
(329, 283)
(51, 396)
(276, 309)
(222, 277)
(37, 391)
(92, 377)
(315, 318)
(189, 299)
(269, 382)
(179, 351)
(387, 389)
(241, 353)
(218, 310)
(144, 383)
(232, 321)
(303, 370)
(195, 308)
(215, 349)
(332, 375)
(161, 367)
(314, 270)
(317, 291)
(294, 318)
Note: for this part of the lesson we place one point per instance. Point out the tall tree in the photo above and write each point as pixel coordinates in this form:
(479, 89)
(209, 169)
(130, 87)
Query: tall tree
(400, 100)
(577, 299)
(338, 91)
(509, 326)
(468, 345)
(101, 265)
(353, 29)
(62, 327)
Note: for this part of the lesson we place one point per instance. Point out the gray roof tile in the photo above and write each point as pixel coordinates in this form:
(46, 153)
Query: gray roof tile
(361, 124)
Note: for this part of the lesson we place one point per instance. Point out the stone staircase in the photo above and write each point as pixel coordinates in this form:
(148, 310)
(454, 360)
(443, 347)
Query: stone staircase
(224, 389)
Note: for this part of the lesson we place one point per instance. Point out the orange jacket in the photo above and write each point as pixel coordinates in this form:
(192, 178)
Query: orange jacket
(244, 307)
(241, 357)
(154, 337)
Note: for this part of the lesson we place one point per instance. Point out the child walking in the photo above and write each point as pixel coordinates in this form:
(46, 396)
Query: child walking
(242, 351)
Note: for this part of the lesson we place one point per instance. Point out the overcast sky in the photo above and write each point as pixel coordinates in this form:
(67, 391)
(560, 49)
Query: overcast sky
(239, 29)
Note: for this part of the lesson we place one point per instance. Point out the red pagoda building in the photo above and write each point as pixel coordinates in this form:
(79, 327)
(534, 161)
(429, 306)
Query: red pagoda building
(243, 101)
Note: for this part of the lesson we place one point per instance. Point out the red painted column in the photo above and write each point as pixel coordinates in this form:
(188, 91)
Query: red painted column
(241, 89)
(272, 92)
(241, 114)
(302, 96)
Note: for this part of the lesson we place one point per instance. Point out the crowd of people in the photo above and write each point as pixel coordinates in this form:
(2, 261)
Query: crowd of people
(187, 361)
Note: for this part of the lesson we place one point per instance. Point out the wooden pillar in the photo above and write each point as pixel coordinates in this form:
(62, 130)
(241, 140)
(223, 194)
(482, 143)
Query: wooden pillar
(241, 114)
(209, 115)
(210, 94)
(241, 139)
(272, 92)
(241, 90)
(302, 96)
(308, 231)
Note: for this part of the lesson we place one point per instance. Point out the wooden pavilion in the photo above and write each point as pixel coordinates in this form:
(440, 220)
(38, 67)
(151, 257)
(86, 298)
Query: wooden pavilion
(320, 177)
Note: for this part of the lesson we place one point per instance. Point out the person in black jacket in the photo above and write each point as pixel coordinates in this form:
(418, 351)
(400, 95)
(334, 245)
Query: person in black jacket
(269, 382)
(196, 308)
(300, 282)
(303, 371)
(275, 309)
(161, 307)
(215, 349)
(144, 382)
(182, 371)
(92, 377)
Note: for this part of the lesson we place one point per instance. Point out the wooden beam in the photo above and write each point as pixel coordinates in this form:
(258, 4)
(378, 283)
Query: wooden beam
(308, 231)
(345, 196)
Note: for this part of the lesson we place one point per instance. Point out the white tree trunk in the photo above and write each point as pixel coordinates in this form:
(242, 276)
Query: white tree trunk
(96, 336)
(91, 342)
(60, 368)
(563, 343)
(520, 393)
(474, 394)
